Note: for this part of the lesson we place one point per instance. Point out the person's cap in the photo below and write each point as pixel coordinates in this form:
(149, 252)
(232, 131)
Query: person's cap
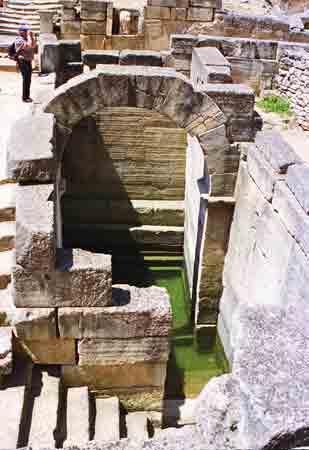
(23, 27)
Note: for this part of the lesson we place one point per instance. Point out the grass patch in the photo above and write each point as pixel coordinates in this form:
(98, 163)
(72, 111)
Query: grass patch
(275, 104)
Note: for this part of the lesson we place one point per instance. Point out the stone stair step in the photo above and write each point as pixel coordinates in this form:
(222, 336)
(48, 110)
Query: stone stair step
(45, 391)
(6, 262)
(77, 416)
(169, 238)
(11, 408)
(7, 202)
(137, 425)
(14, 21)
(107, 420)
(7, 236)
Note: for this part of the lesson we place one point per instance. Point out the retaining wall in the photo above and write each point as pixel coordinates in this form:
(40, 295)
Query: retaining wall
(292, 82)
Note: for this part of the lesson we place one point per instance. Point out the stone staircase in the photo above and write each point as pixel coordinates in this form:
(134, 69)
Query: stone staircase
(36, 410)
(24, 11)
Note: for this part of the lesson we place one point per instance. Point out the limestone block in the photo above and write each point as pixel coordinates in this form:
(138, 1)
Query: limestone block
(276, 150)
(83, 279)
(274, 410)
(32, 289)
(93, 57)
(270, 260)
(297, 180)
(292, 215)
(93, 41)
(140, 58)
(94, 352)
(48, 53)
(51, 351)
(136, 312)
(168, 3)
(233, 99)
(107, 410)
(117, 377)
(6, 359)
(35, 234)
(157, 12)
(93, 10)
(68, 14)
(93, 27)
(261, 171)
(69, 50)
(29, 152)
(37, 324)
(72, 27)
(200, 14)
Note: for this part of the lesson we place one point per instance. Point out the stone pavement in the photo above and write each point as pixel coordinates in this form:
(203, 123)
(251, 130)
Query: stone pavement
(12, 107)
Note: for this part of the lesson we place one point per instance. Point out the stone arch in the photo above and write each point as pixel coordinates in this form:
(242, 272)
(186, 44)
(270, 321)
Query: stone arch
(158, 89)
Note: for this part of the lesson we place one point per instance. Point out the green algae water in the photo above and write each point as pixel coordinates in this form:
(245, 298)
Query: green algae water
(188, 369)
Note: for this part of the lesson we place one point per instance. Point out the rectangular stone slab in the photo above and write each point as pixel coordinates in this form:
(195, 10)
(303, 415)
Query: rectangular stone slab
(35, 233)
(122, 351)
(137, 312)
(141, 375)
(52, 351)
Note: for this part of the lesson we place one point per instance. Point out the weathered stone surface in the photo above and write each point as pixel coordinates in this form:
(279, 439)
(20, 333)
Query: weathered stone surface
(83, 279)
(77, 416)
(122, 351)
(262, 172)
(297, 180)
(35, 236)
(140, 58)
(135, 312)
(137, 425)
(107, 411)
(29, 151)
(32, 289)
(278, 152)
(93, 57)
(117, 377)
(51, 351)
(292, 215)
(43, 426)
(34, 323)
(171, 95)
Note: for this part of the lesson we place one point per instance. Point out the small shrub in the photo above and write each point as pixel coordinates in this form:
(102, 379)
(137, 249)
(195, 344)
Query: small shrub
(276, 104)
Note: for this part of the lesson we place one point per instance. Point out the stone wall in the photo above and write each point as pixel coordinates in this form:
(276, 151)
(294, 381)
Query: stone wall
(233, 24)
(253, 62)
(292, 82)
(166, 17)
(266, 264)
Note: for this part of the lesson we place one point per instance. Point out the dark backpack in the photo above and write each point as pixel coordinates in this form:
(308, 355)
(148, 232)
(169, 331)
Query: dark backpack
(12, 51)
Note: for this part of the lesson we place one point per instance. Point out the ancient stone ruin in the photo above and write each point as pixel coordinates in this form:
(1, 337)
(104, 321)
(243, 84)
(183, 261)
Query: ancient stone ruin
(154, 223)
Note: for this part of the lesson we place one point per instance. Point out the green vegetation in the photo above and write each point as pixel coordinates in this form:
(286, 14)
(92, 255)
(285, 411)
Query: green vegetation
(276, 104)
(188, 369)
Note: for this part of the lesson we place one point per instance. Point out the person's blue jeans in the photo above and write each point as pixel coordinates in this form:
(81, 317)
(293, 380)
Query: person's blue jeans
(25, 68)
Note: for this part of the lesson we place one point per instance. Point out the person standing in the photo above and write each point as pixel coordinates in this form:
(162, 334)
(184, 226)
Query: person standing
(24, 48)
